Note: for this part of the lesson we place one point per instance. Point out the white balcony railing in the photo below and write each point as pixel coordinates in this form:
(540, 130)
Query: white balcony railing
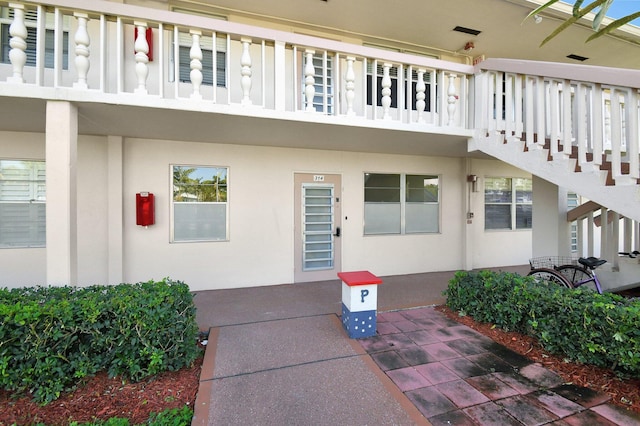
(103, 51)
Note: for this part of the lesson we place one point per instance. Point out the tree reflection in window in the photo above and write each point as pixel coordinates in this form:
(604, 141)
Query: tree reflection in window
(199, 184)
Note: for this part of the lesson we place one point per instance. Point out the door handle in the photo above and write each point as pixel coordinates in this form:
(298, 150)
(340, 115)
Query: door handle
(337, 234)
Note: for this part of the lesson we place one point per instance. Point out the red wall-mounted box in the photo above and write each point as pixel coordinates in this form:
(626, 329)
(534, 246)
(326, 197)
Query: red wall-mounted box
(145, 209)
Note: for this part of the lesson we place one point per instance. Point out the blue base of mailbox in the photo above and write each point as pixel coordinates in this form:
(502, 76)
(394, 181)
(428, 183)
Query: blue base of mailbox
(359, 324)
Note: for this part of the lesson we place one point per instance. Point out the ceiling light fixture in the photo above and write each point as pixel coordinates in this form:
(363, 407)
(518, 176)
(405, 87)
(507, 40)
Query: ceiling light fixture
(469, 46)
(537, 19)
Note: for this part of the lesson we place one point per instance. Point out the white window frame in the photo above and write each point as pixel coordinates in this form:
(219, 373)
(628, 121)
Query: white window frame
(224, 204)
(324, 82)
(33, 192)
(30, 21)
(513, 203)
(206, 45)
(400, 207)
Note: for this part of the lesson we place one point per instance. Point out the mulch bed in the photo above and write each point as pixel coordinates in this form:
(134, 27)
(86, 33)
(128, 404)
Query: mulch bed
(101, 398)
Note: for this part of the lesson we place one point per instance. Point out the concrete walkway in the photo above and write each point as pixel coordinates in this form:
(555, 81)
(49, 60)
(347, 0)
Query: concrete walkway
(279, 356)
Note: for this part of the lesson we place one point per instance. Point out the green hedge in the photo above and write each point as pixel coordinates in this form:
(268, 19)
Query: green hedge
(584, 326)
(53, 336)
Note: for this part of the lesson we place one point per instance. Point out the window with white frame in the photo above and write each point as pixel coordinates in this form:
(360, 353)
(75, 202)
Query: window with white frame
(199, 203)
(22, 203)
(572, 202)
(410, 86)
(508, 203)
(207, 46)
(401, 203)
(6, 17)
(323, 99)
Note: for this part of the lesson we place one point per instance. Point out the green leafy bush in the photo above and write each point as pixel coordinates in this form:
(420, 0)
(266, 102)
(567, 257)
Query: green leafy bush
(53, 336)
(584, 326)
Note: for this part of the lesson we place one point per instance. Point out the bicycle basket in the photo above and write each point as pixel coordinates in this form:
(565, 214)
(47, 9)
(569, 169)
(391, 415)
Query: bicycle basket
(552, 262)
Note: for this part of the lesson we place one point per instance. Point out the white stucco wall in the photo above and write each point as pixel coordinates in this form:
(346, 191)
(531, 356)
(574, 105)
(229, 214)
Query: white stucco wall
(495, 247)
(260, 250)
(25, 266)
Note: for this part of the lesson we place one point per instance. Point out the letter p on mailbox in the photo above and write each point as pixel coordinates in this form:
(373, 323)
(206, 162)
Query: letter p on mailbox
(145, 209)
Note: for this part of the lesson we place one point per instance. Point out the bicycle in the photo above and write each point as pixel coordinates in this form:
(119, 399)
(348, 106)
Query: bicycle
(567, 272)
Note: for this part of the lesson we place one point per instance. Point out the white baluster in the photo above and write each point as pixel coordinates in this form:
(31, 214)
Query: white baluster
(245, 62)
(350, 78)
(18, 43)
(309, 80)
(452, 98)
(607, 125)
(386, 91)
(195, 54)
(82, 51)
(421, 88)
(142, 57)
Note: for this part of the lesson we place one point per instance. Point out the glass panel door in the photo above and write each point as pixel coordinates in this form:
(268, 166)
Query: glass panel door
(317, 227)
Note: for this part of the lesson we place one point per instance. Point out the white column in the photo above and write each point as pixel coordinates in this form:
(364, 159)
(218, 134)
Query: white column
(245, 63)
(115, 210)
(61, 140)
(195, 54)
(421, 88)
(18, 43)
(142, 57)
(386, 91)
(452, 98)
(309, 80)
(551, 231)
(350, 78)
(82, 41)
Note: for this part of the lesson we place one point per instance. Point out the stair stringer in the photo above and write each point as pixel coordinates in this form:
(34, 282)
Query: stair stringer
(589, 183)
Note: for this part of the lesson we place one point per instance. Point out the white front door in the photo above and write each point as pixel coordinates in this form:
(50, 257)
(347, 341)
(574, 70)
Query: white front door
(317, 227)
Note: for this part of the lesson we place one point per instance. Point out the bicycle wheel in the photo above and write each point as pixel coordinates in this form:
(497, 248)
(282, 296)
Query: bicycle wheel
(545, 275)
(576, 274)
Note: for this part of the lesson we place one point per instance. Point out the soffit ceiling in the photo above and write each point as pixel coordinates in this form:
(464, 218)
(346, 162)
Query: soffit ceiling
(427, 26)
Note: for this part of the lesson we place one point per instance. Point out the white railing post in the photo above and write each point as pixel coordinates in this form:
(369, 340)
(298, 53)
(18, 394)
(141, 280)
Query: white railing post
(566, 118)
(18, 43)
(309, 80)
(581, 124)
(82, 41)
(195, 54)
(245, 63)
(509, 123)
(597, 105)
(350, 78)
(540, 111)
(386, 91)
(452, 98)
(518, 106)
(142, 57)
(421, 88)
(616, 135)
(529, 113)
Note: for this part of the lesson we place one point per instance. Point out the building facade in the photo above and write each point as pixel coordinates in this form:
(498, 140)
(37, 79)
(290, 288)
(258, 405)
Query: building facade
(229, 146)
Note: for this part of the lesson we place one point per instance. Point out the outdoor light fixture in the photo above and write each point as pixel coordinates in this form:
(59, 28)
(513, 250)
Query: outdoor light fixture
(537, 19)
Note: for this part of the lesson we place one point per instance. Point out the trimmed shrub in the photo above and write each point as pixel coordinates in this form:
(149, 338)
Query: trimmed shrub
(583, 326)
(53, 336)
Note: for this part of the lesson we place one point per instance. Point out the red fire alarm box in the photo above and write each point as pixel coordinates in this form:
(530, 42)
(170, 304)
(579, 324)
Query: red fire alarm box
(145, 209)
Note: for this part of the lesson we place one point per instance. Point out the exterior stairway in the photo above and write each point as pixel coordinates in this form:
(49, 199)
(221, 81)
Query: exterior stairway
(576, 127)
(591, 140)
